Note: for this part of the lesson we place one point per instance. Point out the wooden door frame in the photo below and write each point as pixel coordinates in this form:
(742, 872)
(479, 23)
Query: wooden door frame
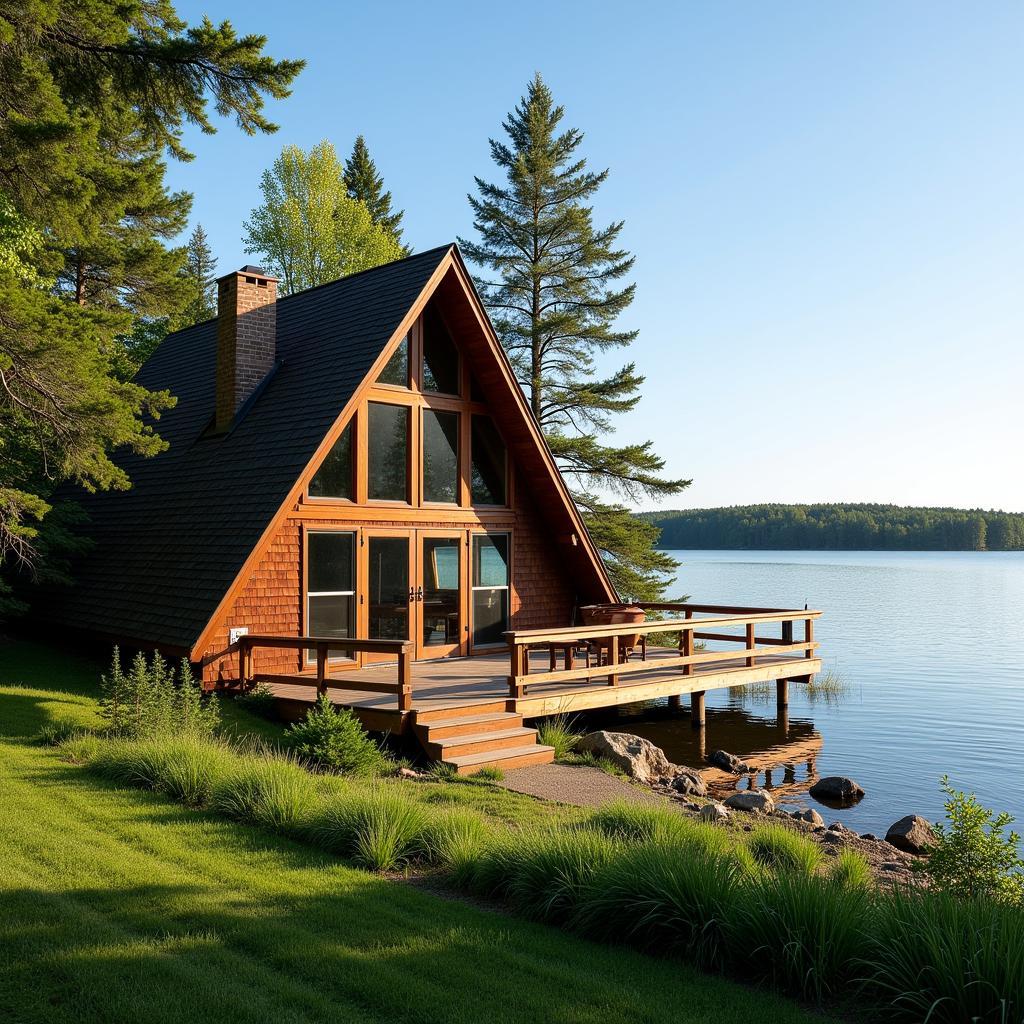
(476, 649)
(445, 650)
(366, 534)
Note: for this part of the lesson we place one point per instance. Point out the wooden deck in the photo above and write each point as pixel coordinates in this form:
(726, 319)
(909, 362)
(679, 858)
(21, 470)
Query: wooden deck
(456, 684)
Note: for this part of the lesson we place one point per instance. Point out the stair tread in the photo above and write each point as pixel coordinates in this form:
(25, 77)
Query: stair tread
(493, 756)
(493, 716)
(484, 737)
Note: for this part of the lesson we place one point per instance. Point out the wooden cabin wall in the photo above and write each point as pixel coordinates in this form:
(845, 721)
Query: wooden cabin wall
(270, 600)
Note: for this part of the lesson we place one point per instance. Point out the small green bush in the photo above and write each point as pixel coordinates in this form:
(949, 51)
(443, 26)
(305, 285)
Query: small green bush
(148, 700)
(334, 738)
(558, 732)
(782, 849)
(662, 896)
(273, 793)
(938, 958)
(381, 830)
(974, 855)
(260, 701)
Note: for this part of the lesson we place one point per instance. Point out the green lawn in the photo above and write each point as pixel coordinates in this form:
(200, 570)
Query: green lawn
(119, 905)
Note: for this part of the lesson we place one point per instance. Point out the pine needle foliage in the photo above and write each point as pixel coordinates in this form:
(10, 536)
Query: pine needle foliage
(366, 185)
(149, 700)
(554, 283)
(335, 739)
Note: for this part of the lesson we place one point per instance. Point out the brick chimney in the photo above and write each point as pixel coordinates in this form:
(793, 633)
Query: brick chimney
(246, 337)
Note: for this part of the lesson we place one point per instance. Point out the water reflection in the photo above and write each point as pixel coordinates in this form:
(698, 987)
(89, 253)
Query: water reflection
(781, 749)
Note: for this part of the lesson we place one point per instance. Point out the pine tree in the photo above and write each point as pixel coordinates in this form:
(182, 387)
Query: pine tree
(554, 293)
(201, 274)
(366, 185)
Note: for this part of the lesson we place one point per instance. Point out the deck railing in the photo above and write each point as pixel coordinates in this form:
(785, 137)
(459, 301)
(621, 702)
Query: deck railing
(611, 660)
(323, 647)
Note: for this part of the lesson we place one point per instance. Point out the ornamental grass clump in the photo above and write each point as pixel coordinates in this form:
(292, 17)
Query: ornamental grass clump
(552, 869)
(662, 896)
(800, 933)
(382, 829)
(781, 849)
(334, 739)
(558, 732)
(851, 871)
(635, 822)
(452, 838)
(936, 958)
(271, 792)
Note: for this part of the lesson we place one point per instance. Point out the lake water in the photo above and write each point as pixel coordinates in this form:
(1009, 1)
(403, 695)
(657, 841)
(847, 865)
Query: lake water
(929, 650)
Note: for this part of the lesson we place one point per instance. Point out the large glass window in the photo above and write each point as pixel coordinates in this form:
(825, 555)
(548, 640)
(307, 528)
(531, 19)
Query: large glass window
(440, 591)
(330, 586)
(440, 456)
(487, 464)
(490, 588)
(397, 370)
(387, 470)
(440, 356)
(334, 477)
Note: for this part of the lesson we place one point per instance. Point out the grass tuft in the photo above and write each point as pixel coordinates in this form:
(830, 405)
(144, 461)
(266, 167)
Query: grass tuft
(558, 732)
(381, 829)
(489, 773)
(782, 849)
(851, 871)
(274, 793)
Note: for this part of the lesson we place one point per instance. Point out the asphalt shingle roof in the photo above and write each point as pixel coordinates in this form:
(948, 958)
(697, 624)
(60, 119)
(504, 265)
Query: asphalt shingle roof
(168, 549)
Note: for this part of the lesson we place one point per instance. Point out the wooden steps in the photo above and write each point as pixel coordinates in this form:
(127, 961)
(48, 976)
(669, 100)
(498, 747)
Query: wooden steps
(477, 736)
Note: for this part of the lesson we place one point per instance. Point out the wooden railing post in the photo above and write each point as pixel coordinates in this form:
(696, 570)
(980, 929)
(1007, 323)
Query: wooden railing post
(321, 669)
(242, 665)
(613, 659)
(787, 631)
(405, 679)
(686, 649)
(751, 644)
(809, 637)
(515, 687)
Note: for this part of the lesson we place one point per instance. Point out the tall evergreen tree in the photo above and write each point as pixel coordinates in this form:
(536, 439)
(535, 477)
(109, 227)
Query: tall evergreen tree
(91, 95)
(201, 275)
(553, 289)
(308, 230)
(366, 185)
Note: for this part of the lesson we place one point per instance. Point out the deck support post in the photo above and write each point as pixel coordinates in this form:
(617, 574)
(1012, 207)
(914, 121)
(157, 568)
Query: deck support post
(405, 679)
(675, 702)
(697, 716)
(782, 705)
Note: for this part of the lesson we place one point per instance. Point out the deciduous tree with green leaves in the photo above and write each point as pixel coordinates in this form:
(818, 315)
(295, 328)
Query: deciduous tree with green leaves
(91, 95)
(308, 230)
(553, 284)
(365, 184)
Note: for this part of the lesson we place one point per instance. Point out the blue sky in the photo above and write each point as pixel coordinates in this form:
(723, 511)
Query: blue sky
(826, 203)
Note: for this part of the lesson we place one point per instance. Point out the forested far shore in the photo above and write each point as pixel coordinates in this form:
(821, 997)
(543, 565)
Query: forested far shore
(838, 527)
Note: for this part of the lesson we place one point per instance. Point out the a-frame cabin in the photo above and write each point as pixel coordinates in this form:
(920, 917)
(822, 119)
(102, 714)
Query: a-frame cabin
(354, 462)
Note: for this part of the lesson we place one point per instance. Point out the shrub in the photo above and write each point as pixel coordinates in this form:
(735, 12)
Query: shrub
(802, 933)
(974, 855)
(552, 869)
(148, 701)
(271, 792)
(260, 700)
(782, 849)
(662, 896)
(558, 732)
(334, 738)
(942, 959)
(851, 871)
(381, 830)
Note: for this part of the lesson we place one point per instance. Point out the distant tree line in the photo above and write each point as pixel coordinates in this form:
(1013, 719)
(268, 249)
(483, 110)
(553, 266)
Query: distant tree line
(839, 527)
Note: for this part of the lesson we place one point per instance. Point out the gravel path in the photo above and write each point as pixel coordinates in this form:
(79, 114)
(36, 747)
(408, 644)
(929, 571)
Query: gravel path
(575, 784)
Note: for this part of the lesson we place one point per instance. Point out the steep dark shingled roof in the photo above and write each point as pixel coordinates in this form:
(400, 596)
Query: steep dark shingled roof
(168, 549)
